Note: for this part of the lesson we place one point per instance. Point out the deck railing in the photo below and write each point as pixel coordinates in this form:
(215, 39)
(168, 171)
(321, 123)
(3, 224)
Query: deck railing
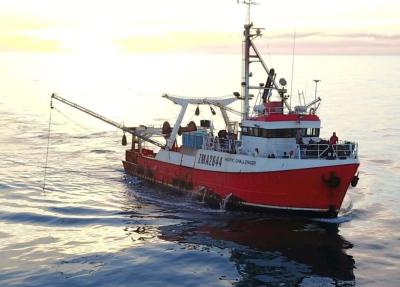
(341, 150)
(322, 150)
(220, 144)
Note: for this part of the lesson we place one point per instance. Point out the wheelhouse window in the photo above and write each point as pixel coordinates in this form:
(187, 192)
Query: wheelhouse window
(256, 132)
(279, 133)
(311, 132)
(264, 133)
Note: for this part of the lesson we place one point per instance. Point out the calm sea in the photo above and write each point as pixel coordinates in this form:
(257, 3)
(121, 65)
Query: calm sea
(94, 226)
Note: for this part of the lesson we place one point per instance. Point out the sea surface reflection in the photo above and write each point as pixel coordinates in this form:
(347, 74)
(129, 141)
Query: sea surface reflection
(94, 226)
(268, 249)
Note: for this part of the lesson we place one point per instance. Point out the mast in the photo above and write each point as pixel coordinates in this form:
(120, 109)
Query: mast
(250, 52)
(246, 82)
(246, 59)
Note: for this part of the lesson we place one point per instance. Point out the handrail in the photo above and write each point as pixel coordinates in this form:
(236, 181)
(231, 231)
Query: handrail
(342, 150)
(324, 151)
(267, 112)
(220, 144)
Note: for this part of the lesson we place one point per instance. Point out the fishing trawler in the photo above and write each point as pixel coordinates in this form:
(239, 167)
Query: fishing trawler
(272, 159)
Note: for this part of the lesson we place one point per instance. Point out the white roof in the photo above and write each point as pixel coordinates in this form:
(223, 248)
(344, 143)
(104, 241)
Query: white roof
(201, 101)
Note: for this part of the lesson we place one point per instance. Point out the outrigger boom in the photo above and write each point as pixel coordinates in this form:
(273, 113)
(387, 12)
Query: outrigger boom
(131, 130)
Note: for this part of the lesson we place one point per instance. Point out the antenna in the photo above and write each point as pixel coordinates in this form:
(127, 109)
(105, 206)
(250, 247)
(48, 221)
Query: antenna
(291, 80)
(316, 85)
(248, 3)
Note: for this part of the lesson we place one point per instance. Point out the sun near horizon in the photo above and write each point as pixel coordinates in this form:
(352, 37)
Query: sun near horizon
(340, 27)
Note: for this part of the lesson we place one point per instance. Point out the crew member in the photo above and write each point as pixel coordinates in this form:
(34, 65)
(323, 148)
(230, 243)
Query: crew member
(299, 136)
(334, 139)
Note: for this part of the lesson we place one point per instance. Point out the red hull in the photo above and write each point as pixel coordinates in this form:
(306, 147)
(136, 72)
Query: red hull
(302, 189)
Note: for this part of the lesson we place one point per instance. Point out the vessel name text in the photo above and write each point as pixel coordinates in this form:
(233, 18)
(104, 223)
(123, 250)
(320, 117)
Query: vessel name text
(240, 161)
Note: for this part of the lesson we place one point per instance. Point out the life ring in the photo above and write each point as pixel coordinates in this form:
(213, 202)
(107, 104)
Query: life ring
(333, 181)
(312, 111)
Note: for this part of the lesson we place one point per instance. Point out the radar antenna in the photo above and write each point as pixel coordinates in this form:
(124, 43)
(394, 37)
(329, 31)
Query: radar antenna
(248, 3)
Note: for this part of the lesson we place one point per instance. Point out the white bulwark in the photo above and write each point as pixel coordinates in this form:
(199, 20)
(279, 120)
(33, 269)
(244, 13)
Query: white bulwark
(223, 162)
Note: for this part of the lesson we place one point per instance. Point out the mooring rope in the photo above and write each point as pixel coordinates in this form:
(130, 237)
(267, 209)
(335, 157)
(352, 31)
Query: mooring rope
(48, 145)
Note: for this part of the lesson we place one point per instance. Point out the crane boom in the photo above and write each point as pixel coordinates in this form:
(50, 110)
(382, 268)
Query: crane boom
(130, 130)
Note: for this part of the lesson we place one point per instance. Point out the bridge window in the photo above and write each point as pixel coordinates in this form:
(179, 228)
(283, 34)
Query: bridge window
(278, 133)
(264, 133)
(311, 132)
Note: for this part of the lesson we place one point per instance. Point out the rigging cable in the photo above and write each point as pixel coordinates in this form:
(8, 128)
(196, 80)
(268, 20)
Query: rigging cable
(70, 119)
(48, 145)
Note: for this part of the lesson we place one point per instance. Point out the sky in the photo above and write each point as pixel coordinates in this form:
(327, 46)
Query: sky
(344, 27)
